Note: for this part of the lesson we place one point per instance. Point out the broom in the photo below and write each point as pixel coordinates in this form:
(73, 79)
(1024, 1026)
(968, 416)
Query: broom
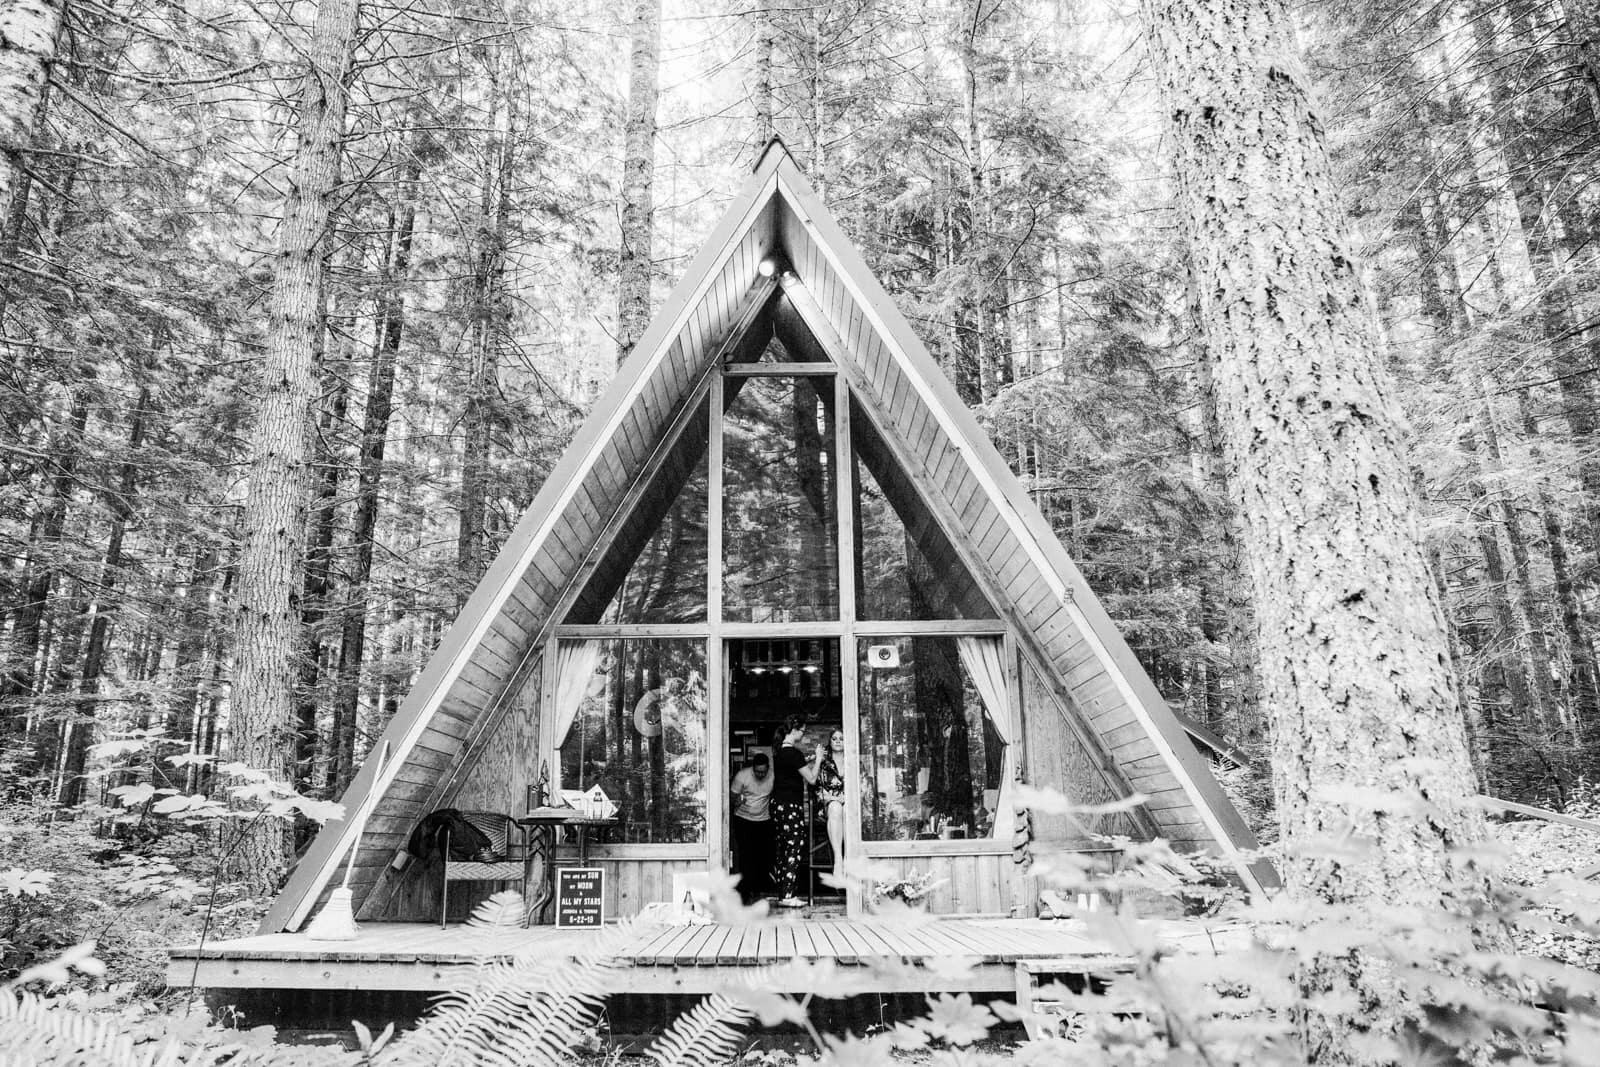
(337, 919)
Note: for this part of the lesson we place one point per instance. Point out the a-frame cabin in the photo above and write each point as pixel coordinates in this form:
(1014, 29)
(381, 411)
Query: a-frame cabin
(780, 506)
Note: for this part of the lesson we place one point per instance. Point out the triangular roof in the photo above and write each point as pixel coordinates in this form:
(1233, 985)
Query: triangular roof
(463, 691)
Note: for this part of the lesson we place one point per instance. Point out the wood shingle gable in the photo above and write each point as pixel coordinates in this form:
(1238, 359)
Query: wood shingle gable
(588, 503)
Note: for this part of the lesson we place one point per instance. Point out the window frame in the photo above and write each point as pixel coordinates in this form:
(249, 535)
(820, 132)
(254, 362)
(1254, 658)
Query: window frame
(1011, 757)
(716, 631)
(550, 753)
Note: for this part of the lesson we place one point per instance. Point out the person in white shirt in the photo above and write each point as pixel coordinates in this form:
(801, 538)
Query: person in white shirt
(752, 827)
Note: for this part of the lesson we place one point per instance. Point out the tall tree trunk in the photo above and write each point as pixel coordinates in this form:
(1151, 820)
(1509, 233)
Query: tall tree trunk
(1525, 660)
(55, 729)
(1507, 658)
(187, 662)
(1354, 655)
(491, 314)
(1584, 680)
(1477, 736)
(761, 97)
(1066, 444)
(1583, 31)
(634, 264)
(18, 681)
(261, 704)
(980, 300)
(28, 32)
(1545, 705)
(94, 655)
(1571, 366)
(318, 587)
(817, 105)
(374, 440)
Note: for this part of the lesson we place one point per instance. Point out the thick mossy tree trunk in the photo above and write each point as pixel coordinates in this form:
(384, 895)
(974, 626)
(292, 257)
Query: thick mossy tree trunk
(261, 705)
(638, 174)
(1354, 657)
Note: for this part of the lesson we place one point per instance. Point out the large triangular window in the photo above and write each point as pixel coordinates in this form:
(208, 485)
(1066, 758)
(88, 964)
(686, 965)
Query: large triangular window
(655, 569)
(906, 569)
(780, 532)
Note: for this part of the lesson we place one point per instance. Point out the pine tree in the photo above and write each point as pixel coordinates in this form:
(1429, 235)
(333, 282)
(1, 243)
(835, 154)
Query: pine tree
(1354, 656)
(28, 30)
(262, 698)
(635, 266)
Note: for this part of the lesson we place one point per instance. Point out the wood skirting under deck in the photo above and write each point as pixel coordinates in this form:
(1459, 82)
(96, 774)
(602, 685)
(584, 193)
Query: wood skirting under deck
(879, 957)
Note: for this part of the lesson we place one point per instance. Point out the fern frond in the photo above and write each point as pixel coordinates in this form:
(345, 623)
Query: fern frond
(502, 911)
(35, 1031)
(528, 1010)
(705, 1035)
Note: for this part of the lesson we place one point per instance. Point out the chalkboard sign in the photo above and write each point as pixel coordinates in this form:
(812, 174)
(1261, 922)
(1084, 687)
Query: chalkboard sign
(580, 896)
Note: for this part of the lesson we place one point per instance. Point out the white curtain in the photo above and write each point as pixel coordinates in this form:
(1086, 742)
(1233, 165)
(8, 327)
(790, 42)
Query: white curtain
(984, 661)
(575, 664)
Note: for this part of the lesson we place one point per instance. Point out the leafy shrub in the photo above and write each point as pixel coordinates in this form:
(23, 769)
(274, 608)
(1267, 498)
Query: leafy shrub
(1238, 998)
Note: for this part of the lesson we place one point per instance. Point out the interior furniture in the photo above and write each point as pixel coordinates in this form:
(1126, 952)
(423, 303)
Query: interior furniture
(503, 862)
(540, 825)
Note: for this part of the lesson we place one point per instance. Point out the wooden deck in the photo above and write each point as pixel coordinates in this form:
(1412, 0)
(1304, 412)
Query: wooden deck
(948, 954)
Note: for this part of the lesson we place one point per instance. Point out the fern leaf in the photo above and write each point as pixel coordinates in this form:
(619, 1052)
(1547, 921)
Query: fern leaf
(502, 911)
(38, 1032)
(707, 1034)
(528, 1010)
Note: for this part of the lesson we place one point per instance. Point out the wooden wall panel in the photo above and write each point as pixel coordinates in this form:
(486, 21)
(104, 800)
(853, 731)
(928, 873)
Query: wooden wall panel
(990, 884)
(1053, 757)
(633, 883)
(507, 761)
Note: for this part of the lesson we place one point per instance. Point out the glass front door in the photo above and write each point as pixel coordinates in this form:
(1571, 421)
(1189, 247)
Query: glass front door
(773, 682)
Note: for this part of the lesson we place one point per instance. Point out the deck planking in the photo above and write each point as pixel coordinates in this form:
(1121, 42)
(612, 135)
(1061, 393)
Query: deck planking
(952, 954)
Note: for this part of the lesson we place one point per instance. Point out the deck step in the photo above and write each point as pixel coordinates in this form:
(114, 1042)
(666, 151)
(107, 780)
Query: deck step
(1051, 992)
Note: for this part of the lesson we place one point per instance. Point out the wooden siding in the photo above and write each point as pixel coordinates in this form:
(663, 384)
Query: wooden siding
(1056, 759)
(633, 883)
(507, 763)
(990, 884)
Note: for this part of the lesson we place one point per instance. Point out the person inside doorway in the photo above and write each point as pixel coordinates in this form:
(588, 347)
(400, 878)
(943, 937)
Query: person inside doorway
(790, 773)
(752, 827)
(830, 793)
